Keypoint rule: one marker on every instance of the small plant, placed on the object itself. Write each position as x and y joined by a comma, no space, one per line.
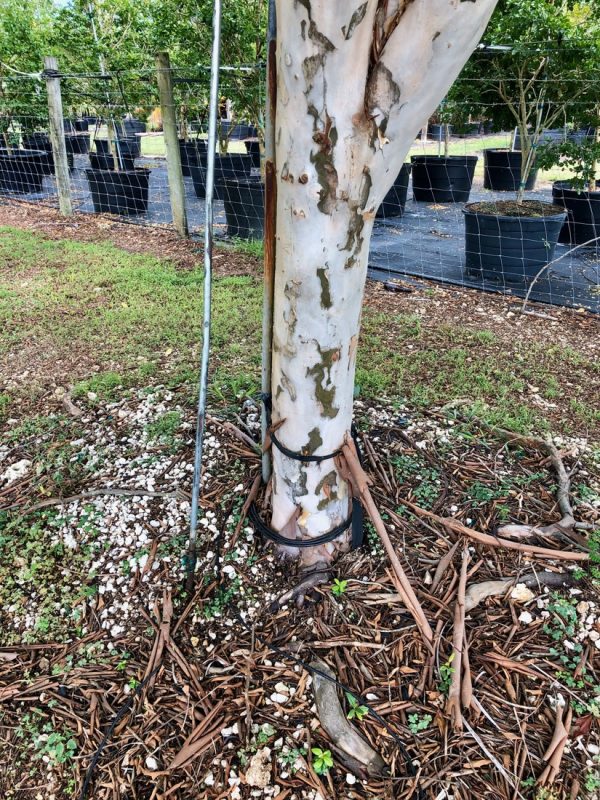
339,587
290,758
446,673
54,746
265,733
164,428
222,599
356,710
323,760
416,723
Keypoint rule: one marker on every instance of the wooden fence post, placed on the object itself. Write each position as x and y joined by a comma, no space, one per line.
174,173
57,136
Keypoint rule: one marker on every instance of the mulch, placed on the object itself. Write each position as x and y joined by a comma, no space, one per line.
222,693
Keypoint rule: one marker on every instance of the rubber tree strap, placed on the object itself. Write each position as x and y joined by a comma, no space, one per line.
354,520
300,456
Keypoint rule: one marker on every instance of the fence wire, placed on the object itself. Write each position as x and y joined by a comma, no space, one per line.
445,219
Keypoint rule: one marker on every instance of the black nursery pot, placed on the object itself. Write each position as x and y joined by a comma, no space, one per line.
132,126
253,150
583,214
244,200
441,179
232,165
22,170
130,147
41,141
77,143
502,171
509,249
107,161
193,153
123,192
395,200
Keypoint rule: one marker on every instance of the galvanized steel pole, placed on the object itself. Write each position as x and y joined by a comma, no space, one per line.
208,244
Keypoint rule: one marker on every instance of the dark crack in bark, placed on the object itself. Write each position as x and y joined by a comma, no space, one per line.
354,240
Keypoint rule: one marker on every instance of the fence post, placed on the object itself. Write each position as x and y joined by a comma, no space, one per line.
57,136
174,173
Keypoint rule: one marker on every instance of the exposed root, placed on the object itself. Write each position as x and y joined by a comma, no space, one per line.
494,541
338,728
299,592
477,592
352,471
453,706
566,525
554,753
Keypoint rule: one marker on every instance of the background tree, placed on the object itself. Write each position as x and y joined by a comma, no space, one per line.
25,26
355,85
541,64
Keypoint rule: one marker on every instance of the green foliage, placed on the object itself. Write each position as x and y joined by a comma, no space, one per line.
446,671
543,71
58,747
579,157
322,761
417,723
356,710
164,428
221,600
339,587
562,628
289,758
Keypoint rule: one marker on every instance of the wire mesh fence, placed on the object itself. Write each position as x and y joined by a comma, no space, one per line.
462,210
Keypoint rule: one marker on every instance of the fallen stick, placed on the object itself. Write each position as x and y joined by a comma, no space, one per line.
442,566
352,471
493,541
453,705
336,725
554,753
477,592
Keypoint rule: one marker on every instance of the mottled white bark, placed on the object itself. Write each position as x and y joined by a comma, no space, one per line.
356,82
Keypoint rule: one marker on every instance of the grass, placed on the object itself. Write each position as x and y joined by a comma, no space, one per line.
130,320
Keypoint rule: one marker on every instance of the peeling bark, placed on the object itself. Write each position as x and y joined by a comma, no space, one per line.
355,84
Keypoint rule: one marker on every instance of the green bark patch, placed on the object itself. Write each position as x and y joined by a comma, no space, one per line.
324,387
326,138
355,21
323,276
354,239
314,442
327,486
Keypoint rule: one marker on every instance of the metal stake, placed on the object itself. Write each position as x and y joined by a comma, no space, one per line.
208,244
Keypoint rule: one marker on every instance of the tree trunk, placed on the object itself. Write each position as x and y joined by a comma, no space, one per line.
354,87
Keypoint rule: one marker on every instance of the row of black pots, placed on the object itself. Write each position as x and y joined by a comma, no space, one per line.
449,179
193,153
41,142
435,180
22,171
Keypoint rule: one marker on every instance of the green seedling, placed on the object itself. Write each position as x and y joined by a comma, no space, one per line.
356,710
323,760
339,587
